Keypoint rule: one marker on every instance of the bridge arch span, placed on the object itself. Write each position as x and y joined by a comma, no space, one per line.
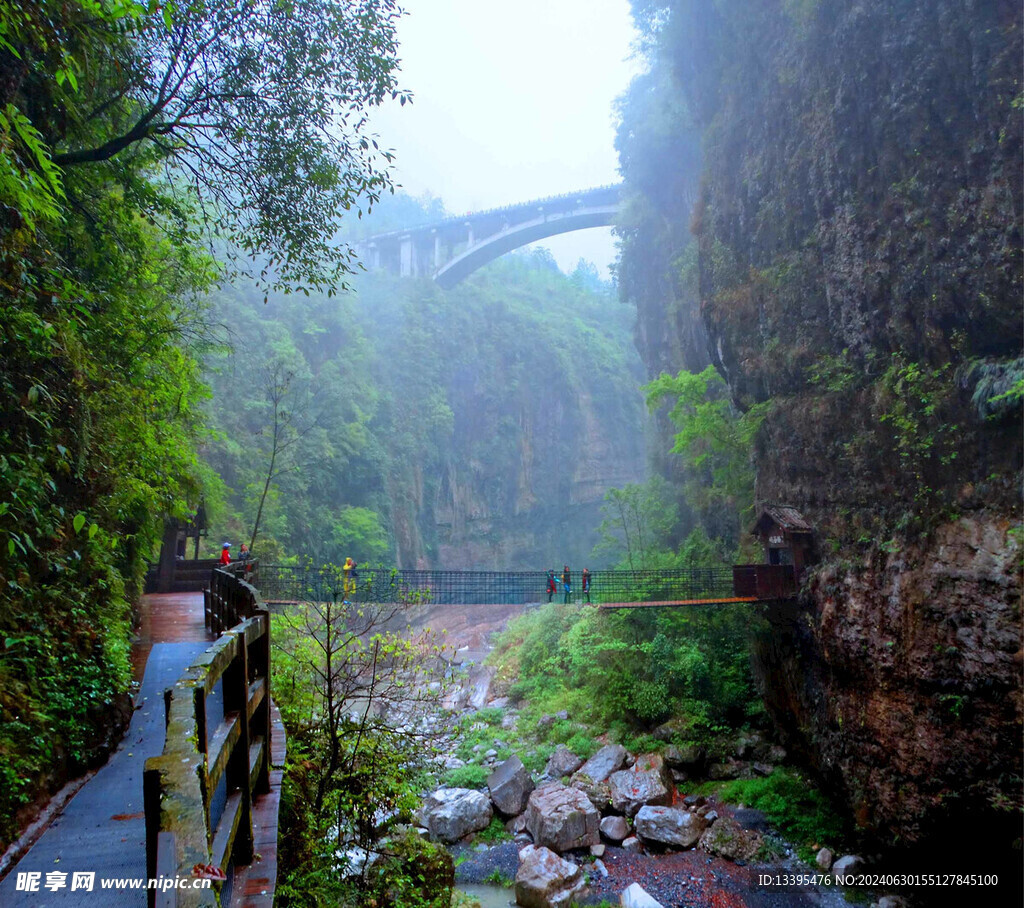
450,250
487,250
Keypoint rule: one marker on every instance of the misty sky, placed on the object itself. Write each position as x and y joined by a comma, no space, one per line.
513,101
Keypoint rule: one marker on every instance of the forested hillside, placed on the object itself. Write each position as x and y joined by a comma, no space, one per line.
856,264
147,153
473,428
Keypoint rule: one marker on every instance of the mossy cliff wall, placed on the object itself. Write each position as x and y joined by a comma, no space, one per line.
859,237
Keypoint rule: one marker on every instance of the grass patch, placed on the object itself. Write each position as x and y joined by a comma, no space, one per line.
499,879
494,833
792,804
471,776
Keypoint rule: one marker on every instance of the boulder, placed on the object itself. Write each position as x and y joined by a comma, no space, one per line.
544,880
562,818
634,788
614,829
848,864
674,728
824,859
669,826
517,824
635,896
510,786
599,793
762,769
729,840
563,762
633,845
610,758
597,851
689,756
452,813
730,770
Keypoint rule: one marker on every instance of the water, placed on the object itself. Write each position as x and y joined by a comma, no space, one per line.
489,895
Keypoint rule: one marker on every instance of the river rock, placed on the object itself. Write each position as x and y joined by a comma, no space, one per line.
669,826
729,840
517,824
634,788
562,818
510,786
824,859
614,829
635,896
544,880
599,793
451,813
563,762
848,864
731,769
633,845
610,758
690,756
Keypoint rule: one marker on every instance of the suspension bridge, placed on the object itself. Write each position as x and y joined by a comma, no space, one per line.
697,586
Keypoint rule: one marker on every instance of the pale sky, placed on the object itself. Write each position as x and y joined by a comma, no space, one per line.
512,101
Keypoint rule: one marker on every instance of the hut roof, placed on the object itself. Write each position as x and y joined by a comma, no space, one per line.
783,515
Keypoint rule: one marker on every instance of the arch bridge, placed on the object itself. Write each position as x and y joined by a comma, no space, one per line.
452,249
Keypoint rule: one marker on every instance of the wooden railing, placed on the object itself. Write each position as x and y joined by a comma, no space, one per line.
201,749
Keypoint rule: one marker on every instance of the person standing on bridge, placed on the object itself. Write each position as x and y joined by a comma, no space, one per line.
551,584
225,555
585,584
566,583
350,576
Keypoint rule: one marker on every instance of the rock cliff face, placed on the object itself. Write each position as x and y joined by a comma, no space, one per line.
901,681
859,233
536,494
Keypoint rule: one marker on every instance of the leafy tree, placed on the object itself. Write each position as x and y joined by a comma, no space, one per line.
637,524
715,443
259,108
353,695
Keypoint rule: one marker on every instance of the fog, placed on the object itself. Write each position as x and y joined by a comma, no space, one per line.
512,102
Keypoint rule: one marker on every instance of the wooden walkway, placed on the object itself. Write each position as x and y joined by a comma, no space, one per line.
102,829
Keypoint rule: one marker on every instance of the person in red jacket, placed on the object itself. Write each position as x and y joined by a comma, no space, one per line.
225,555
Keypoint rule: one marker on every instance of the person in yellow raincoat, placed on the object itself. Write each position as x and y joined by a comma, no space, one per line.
350,576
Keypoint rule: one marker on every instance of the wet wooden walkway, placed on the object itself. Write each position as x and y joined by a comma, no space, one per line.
102,829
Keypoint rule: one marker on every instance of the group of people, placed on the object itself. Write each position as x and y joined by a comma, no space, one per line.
225,553
566,581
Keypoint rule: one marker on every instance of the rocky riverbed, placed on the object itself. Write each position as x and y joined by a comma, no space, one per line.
618,826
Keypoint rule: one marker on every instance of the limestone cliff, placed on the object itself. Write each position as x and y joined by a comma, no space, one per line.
859,232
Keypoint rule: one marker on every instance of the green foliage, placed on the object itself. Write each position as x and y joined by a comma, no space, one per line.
792,804
337,673
998,389
470,776
643,666
495,833
835,373
638,520
714,442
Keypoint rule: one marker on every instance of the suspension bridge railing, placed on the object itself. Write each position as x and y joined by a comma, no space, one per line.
199,792
283,583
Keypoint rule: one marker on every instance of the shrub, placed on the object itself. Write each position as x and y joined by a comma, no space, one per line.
469,776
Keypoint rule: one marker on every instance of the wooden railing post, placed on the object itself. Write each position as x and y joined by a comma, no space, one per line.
261,724
236,700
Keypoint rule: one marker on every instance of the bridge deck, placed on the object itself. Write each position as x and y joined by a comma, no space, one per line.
675,602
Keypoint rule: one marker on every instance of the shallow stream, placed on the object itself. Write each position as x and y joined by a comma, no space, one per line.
488,895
